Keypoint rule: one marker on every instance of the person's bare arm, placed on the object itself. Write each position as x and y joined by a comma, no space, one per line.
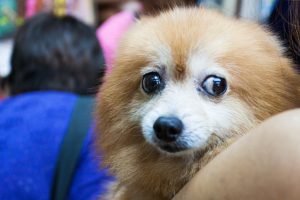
262,165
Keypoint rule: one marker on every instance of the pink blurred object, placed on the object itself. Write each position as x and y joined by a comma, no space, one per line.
30,8
110,33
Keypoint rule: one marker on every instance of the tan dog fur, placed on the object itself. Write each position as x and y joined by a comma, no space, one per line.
261,78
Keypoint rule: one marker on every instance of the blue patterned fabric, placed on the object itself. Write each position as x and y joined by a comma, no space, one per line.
32,127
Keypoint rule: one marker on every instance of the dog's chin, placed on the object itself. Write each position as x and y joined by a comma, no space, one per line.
177,148
174,150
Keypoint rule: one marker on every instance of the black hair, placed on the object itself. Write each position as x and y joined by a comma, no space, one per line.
285,21
55,53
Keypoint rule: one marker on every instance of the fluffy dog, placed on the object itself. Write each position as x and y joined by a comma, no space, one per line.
185,84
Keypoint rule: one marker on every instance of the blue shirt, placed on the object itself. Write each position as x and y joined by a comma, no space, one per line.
32,127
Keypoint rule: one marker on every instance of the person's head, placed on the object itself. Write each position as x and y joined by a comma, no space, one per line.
55,53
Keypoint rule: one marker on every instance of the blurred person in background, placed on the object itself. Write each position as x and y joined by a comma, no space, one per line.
55,60
55,53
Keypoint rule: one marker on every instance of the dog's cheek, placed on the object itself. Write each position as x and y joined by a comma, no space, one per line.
149,114
144,113
147,130
232,116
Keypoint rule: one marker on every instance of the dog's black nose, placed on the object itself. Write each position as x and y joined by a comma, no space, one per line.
168,128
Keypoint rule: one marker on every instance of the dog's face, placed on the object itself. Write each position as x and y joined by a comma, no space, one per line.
188,75
189,102
182,113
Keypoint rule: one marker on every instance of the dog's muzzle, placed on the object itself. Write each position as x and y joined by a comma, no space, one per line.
167,131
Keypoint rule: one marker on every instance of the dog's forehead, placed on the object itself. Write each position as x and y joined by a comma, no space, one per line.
183,49
183,60
186,41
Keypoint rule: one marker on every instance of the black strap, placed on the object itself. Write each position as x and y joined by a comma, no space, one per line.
71,148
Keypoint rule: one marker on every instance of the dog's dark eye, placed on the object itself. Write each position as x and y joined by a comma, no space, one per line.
152,83
214,86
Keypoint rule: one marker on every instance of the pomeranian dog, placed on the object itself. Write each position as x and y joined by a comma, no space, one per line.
184,85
